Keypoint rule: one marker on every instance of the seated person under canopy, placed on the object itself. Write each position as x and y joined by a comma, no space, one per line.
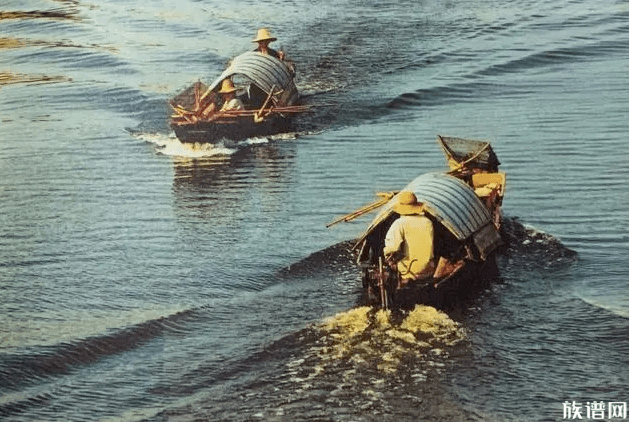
409,241
230,101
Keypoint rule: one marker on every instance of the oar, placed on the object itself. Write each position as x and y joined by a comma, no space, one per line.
257,117
182,112
285,109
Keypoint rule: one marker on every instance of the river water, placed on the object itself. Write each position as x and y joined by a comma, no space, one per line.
141,279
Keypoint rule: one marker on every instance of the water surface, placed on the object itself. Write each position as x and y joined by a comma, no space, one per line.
142,279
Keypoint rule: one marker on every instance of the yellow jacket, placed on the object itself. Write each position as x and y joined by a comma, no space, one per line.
412,237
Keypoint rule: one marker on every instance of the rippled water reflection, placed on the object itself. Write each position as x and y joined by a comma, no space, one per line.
142,279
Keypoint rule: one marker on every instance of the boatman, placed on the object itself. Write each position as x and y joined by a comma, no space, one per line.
264,38
230,101
409,242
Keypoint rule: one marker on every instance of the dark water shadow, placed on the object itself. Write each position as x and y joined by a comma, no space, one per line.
30,367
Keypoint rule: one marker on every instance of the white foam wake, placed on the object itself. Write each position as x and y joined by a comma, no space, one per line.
168,144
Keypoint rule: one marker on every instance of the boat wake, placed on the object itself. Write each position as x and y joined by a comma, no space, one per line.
333,260
168,144
365,337
609,303
535,249
356,361
353,361
27,365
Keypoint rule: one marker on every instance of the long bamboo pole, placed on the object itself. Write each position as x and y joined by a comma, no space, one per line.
232,114
257,117
285,109
384,198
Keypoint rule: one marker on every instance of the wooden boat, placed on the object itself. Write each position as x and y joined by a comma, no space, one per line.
264,84
464,205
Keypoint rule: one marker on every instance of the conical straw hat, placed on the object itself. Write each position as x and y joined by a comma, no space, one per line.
264,35
407,204
227,87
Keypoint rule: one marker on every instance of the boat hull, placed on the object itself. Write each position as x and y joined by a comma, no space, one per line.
459,288
235,131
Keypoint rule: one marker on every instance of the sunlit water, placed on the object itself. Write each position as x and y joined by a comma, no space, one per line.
145,279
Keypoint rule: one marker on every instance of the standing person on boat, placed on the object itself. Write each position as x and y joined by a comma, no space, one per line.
409,243
264,38
230,101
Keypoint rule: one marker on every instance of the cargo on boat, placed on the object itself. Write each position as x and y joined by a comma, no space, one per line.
265,88
454,234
